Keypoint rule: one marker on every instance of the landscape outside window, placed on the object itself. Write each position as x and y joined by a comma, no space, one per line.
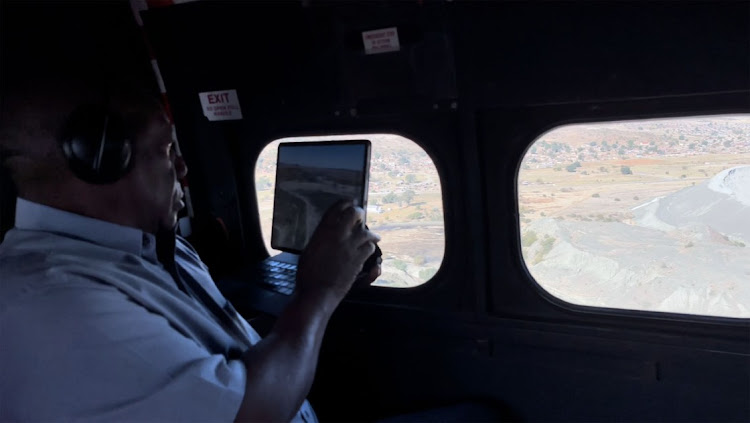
646,215
405,205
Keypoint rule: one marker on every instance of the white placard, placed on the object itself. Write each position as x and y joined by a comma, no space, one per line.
221,105
381,40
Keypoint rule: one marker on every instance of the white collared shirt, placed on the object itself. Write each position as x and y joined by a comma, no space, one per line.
92,327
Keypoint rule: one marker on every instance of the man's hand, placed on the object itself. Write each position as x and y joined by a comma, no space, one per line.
281,367
336,253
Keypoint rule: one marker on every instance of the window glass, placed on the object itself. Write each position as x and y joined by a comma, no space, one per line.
646,215
405,206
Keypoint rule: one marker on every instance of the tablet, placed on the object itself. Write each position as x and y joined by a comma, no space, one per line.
310,178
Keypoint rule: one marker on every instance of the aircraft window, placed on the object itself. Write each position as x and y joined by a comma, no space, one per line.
405,206
646,215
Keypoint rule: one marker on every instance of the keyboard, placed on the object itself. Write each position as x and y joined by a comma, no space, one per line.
277,276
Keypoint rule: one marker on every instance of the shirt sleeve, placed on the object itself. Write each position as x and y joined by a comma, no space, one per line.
84,351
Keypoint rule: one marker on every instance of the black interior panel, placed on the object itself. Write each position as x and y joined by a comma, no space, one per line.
474,84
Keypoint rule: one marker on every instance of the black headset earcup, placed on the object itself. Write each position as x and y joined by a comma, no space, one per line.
96,144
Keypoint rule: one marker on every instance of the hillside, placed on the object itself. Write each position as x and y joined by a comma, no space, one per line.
684,252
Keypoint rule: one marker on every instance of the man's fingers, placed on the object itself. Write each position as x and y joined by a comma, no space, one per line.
334,213
344,215
342,204
353,216
365,250
375,273
362,236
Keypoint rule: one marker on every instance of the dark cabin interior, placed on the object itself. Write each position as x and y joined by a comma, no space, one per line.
474,84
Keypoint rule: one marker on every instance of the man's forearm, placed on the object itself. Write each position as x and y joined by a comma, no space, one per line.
281,367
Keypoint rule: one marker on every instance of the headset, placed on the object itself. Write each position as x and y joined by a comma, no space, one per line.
96,144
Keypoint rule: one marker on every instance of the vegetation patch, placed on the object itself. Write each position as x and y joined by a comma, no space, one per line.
528,239
546,246
427,274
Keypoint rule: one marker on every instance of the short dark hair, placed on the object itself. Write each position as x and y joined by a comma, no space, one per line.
56,57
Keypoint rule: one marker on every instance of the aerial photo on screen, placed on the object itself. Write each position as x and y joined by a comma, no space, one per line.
310,180
648,215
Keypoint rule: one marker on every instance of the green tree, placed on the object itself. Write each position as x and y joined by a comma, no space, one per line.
625,170
400,265
573,166
408,196
390,198
415,216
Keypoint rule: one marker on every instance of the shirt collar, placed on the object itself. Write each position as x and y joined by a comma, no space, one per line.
38,217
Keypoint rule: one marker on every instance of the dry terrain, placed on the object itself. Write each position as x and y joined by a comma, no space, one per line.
651,215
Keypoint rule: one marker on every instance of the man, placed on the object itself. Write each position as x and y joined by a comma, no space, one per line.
104,313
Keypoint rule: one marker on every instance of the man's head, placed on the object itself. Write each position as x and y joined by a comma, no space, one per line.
54,62
152,184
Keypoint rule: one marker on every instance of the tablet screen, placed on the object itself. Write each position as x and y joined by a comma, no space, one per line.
310,178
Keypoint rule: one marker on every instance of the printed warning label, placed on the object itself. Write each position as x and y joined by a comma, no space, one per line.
381,40
221,105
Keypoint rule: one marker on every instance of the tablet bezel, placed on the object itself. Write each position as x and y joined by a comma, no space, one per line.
365,180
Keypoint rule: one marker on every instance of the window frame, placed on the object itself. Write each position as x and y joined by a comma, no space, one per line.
347,137
513,291
437,132
524,261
